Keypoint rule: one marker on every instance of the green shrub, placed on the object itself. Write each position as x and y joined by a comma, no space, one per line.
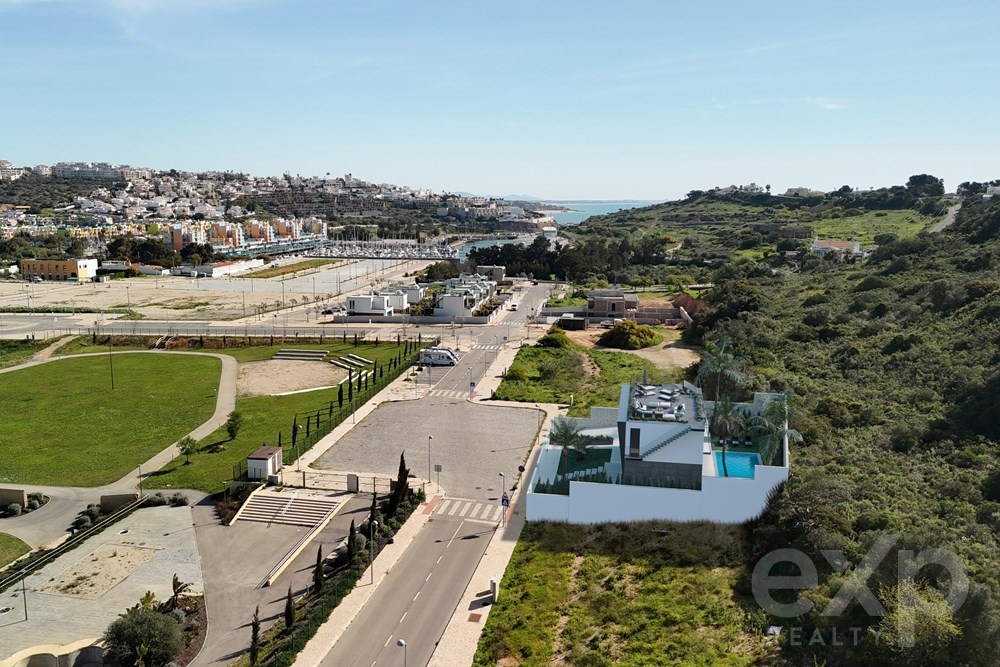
628,335
14,509
555,338
159,633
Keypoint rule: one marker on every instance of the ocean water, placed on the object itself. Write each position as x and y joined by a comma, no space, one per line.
584,209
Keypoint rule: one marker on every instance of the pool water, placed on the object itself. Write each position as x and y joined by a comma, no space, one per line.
739,464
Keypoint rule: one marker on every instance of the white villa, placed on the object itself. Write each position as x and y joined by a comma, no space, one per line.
662,465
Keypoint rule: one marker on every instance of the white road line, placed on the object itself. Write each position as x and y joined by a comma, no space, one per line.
465,508
496,513
444,506
453,537
374,661
416,596
475,511
429,575
454,509
386,643
403,616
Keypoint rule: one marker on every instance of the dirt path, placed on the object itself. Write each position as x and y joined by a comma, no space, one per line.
51,349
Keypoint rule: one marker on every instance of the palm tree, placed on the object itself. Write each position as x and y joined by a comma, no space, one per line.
727,421
566,434
771,427
719,360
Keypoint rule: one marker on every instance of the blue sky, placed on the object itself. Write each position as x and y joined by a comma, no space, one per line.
592,100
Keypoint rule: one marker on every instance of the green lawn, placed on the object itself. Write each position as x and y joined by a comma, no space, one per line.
11,549
64,425
594,458
636,594
263,417
14,352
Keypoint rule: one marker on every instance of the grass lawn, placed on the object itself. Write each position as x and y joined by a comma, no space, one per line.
84,345
263,417
592,377
11,549
594,458
64,425
637,594
285,269
14,352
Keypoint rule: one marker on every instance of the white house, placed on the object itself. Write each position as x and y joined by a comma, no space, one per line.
375,305
264,462
662,465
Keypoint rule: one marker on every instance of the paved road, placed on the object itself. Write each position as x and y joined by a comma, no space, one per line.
415,601
949,218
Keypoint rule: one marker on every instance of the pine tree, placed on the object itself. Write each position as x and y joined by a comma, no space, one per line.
289,610
255,637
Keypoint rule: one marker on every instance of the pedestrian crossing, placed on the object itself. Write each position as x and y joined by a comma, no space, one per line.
488,346
448,393
470,510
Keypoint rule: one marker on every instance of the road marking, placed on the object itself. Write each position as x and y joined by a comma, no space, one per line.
454,508
443,507
453,537
465,508
429,575
386,643
417,595
374,661
403,616
496,513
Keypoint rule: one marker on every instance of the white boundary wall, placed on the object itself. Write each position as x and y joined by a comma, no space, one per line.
721,499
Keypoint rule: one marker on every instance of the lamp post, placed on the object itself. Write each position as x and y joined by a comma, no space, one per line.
402,642
503,510
429,438
371,543
128,300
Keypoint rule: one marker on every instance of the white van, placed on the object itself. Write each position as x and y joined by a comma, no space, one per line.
513,306
437,356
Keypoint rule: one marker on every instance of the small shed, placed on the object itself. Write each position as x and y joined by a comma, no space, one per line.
264,462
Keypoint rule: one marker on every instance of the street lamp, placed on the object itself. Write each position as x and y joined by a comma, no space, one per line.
402,642
373,524
429,438
128,301
503,510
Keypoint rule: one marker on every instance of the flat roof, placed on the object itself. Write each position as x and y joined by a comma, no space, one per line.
264,453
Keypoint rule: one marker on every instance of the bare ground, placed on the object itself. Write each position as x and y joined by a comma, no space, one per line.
95,574
275,376
666,355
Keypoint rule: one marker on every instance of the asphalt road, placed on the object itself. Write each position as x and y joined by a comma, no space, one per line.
414,602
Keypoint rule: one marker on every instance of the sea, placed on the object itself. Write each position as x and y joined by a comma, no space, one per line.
583,209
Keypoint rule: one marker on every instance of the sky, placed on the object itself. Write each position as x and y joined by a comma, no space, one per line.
555,99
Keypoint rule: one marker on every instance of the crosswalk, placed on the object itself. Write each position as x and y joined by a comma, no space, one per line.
448,393
470,510
489,346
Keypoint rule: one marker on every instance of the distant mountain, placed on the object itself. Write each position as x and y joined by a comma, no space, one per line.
522,198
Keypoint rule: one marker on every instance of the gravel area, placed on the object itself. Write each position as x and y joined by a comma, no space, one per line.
276,376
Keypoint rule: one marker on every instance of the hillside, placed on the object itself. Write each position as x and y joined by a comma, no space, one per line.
892,364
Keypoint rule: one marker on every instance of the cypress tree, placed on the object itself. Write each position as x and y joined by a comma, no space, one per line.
352,543
340,395
318,572
289,609
255,637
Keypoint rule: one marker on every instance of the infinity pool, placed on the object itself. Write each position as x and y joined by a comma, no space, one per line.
739,464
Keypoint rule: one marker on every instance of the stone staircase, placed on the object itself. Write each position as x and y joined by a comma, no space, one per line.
288,508
300,355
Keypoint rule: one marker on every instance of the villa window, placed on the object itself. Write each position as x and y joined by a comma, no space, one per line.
633,442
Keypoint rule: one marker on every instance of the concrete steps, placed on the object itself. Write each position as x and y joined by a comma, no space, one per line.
288,508
300,355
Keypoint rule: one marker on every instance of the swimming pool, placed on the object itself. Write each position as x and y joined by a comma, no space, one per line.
739,464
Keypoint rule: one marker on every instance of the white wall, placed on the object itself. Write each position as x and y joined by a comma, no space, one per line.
721,499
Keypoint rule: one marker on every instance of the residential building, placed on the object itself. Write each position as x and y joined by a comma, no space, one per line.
611,303
662,464
72,270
